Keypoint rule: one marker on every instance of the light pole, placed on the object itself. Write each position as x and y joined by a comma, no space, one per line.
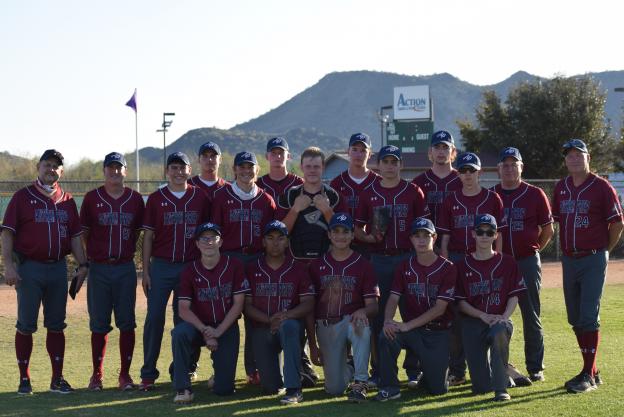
165,124
383,118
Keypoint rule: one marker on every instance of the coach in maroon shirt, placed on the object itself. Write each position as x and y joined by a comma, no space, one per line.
529,229
40,227
209,161
590,225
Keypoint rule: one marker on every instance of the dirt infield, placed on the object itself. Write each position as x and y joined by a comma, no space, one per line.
551,279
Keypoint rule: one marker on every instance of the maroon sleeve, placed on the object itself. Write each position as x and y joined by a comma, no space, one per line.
613,210
499,214
149,220
314,275
185,290
363,211
216,210
544,215
139,212
240,283
398,281
86,219
460,290
206,212
370,288
515,280
305,282
421,209
11,218
73,227
444,216
446,291
555,203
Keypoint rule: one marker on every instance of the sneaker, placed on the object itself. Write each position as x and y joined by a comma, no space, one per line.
373,382
95,383
24,387
357,394
211,382
126,383
597,379
454,380
518,379
573,380
309,378
537,376
584,383
253,379
147,384
502,396
292,396
183,396
414,380
385,395
60,386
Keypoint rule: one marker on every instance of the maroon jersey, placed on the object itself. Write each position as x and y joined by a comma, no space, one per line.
392,209
281,289
209,190
111,224
350,190
173,221
211,291
526,209
436,189
242,221
584,213
457,217
277,188
42,226
420,286
488,285
342,286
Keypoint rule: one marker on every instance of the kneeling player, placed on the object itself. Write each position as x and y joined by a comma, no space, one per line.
347,294
281,295
211,298
488,285
426,282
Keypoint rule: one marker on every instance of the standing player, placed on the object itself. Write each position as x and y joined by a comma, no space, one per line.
111,217
488,286
384,215
211,297
242,210
171,215
426,283
529,229
281,296
346,300
441,179
590,225
209,162
455,222
41,226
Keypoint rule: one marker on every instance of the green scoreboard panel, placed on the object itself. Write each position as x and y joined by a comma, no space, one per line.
409,135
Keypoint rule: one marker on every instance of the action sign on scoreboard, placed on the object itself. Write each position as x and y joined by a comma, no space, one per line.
412,102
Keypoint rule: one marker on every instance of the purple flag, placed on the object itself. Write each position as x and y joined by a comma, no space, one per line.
132,102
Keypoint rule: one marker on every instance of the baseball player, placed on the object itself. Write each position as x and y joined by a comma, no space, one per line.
455,221
171,215
441,179
111,217
211,297
383,218
488,286
40,227
426,283
346,300
529,229
281,296
590,225
209,161
242,210
356,178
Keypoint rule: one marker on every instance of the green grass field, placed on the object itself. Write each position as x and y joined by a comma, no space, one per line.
542,399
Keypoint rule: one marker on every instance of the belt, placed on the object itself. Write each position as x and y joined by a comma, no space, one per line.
43,261
330,321
582,253
111,261
391,252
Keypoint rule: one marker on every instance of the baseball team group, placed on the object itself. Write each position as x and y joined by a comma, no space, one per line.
316,271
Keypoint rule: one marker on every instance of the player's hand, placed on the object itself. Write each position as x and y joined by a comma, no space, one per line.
301,203
321,202
210,333
358,318
488,319
315,355
211,343
146,282
390,329
11,276
275,321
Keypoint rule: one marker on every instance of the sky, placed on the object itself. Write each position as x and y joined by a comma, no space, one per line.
68,67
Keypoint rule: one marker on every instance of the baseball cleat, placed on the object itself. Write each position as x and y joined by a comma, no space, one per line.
292,396
95,383
147,385
358,392
126,383
598,379
414,380
183,396
454,380
384,395
537,376
518,379
24,387
502,396
308,377
373,382
60,386
584,383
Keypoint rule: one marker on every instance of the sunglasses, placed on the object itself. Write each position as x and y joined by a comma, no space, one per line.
209,239
467,169
488,233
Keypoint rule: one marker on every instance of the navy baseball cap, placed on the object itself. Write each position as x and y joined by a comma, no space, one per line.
389,150
277,142
469,159
178,157
115,157
243,157
423,223
510,152
342,220
442,136
575,144
209,146
275,225
52,153
487,219
205,227
360,137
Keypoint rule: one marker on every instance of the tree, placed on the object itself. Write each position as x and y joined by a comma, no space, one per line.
538,117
